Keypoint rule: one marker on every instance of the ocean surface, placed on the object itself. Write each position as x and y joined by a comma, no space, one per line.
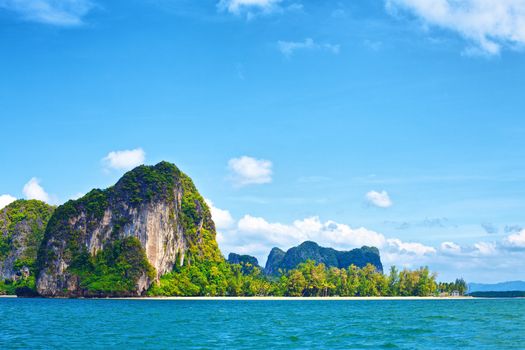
176,324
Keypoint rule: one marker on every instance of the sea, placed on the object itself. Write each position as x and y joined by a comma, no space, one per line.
263,324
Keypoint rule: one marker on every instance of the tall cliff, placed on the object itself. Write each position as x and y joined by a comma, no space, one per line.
116,242
279,260
22,226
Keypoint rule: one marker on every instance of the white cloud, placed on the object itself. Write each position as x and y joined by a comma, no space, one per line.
254,8
238,6
249,171
450,248
222,218
484,248
489,260
124,160
379,199
411,248
266,235
33,190
54,12
288,48
488,25
516,240
256,236
5,200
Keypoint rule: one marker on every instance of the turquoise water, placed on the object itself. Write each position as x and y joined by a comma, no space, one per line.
159,324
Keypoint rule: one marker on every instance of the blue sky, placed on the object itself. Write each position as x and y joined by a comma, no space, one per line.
394,123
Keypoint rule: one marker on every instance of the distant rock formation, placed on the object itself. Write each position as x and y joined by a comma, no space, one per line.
22,226
274,261
279,260
242,259
247,262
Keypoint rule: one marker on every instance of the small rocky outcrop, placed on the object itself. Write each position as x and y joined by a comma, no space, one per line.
279,260
247,262
116,242
22,226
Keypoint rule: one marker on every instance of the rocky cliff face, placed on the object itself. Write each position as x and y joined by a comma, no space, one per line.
22,226
274,261
116,242
330,257
247,262
242,259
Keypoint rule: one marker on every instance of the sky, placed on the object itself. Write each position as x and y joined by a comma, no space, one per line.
392,123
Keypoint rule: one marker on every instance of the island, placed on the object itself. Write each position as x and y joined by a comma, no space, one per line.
152,234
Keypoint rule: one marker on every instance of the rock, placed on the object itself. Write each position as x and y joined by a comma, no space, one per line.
274,262
247,262
116,242
22,226
360,257
26,292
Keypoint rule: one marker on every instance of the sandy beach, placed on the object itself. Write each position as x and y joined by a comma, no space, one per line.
296,298
272,298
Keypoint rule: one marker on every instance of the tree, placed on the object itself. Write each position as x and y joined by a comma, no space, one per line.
393,281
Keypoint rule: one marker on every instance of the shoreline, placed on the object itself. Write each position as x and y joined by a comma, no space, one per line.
292,298
203,298
268,298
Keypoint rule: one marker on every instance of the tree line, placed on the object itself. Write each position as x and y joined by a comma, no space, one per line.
309,279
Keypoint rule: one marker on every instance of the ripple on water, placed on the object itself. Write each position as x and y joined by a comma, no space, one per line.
124,324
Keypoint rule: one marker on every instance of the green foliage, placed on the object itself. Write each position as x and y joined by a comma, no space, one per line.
209,278
145,183
459,285
307,280
9,286
247,262
281,261
23,216
198,225
114,270
22,226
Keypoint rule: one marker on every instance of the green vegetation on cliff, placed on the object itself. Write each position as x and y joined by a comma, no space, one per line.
203,245
247,262
22,226
115,270
279,261
142,199
30,215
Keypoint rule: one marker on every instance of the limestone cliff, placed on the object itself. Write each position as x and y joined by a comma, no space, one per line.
360,257
22,226
274,261
116,242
